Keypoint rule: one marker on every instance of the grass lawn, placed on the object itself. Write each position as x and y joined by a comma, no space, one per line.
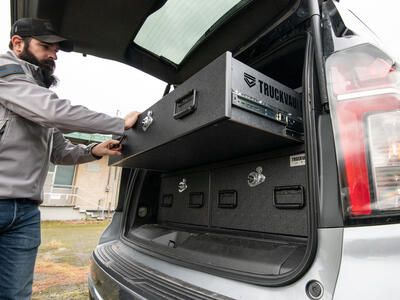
62,264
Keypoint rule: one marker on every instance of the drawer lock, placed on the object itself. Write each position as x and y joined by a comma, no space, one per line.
256,177
182,186
147,121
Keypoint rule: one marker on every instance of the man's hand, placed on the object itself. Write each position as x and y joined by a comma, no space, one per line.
105,148
130,119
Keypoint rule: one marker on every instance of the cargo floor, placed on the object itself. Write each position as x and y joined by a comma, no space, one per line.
227,252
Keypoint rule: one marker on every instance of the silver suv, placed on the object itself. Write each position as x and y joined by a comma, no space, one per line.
271,169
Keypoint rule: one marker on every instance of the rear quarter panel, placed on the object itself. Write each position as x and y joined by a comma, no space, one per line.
370,266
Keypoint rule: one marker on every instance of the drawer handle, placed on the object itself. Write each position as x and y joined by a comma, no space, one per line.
185,105
147,121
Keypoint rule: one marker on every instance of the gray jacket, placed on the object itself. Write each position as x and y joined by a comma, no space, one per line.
32,119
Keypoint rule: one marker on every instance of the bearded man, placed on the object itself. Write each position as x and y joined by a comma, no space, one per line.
32,119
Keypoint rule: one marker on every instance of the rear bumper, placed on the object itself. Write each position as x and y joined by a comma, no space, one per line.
119,271
102,285
93,293
116,275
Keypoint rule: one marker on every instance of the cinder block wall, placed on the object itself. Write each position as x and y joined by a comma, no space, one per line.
59,213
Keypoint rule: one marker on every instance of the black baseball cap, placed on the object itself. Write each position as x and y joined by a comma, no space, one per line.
41,30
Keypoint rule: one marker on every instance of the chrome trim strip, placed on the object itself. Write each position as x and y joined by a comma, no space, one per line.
368,93
93,291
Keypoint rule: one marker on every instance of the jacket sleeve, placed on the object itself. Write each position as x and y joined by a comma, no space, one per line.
42,106
66,153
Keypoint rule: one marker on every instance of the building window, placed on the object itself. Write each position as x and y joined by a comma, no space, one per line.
63,175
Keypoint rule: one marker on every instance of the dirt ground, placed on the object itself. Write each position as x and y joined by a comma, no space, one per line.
62,264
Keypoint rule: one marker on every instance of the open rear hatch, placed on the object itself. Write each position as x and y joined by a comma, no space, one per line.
223,186
215,176
128,31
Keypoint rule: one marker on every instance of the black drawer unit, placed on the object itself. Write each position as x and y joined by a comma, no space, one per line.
185,199
261,196
226,110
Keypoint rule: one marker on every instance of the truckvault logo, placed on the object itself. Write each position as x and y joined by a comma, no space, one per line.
269,90
250,80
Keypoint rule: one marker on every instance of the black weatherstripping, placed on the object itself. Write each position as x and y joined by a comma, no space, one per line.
312,174
331,214
318,50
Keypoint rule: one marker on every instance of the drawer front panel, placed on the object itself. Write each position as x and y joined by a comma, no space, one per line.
275,205
174,117
184,199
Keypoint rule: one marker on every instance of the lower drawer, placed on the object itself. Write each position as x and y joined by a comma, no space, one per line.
264,196
185,199
276,204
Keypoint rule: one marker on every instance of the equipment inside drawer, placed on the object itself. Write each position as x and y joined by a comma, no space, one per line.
260,94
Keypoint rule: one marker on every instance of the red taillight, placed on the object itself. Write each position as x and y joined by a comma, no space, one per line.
363,83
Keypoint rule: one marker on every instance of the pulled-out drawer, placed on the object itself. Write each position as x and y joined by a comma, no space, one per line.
224,111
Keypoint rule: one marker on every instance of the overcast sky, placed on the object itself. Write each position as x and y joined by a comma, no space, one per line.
109,86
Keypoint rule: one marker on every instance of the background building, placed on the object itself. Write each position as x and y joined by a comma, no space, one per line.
81,191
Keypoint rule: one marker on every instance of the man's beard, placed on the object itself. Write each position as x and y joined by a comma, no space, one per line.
46,67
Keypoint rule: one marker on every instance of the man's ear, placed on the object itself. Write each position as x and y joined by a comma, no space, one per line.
18,44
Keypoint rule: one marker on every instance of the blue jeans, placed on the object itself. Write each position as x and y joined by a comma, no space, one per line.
19,242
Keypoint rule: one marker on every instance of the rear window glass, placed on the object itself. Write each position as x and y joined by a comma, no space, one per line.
172,31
